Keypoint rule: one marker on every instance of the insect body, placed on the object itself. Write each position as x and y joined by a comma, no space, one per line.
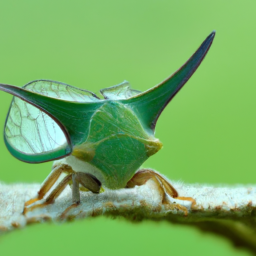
100,142
116,141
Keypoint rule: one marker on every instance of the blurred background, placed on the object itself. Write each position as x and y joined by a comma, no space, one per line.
208,130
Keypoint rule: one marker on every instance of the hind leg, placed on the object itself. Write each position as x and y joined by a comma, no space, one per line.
49,182
53,195
75,178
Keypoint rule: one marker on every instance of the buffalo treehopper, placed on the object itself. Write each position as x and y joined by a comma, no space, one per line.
96,142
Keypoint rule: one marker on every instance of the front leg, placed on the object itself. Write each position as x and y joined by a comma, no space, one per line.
165,188
88,181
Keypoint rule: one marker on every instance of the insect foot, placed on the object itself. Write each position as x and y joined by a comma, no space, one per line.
166,190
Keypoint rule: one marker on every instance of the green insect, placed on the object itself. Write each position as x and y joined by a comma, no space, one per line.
99,142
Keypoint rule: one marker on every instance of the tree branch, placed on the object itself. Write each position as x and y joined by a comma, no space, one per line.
227,211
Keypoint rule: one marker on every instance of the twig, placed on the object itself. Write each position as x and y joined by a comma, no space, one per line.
227,211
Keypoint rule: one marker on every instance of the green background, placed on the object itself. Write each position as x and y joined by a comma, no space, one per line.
208,130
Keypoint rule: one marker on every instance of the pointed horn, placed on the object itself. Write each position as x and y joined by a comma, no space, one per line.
72,117
150,104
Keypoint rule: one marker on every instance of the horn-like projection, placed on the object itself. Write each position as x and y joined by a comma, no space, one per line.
72,117
149,104
58,116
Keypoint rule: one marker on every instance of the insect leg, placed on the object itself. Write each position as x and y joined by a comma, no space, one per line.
48,183
57,191
53,195
86,180
75,190
143,175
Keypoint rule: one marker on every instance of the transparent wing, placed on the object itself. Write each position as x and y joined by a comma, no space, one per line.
33,136
60,90
119,92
